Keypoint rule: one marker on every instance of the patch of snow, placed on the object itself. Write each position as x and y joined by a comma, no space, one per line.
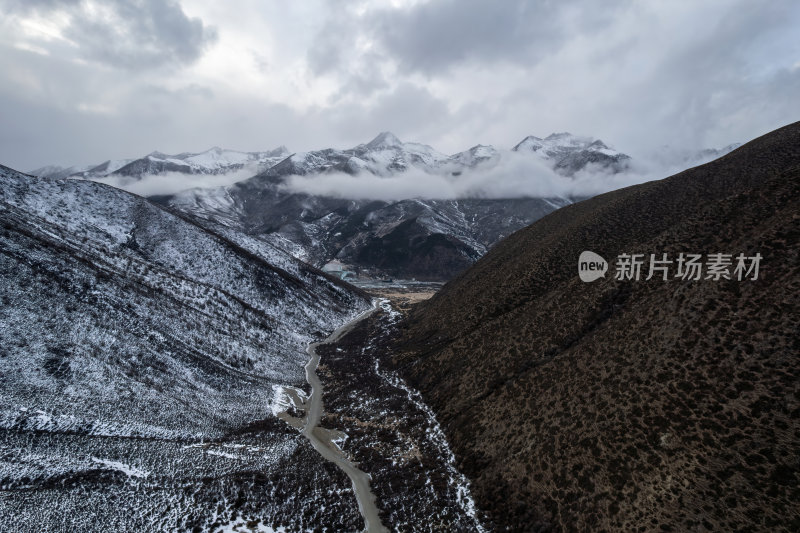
122,467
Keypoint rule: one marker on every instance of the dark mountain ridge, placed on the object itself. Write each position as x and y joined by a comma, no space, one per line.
625,405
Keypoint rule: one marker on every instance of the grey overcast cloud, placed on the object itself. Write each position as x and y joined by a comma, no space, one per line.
84,81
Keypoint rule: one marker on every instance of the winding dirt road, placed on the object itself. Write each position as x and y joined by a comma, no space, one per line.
322,439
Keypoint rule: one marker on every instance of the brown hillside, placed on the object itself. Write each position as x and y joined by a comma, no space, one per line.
630,405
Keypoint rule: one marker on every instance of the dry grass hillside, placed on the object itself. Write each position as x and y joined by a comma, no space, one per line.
630,405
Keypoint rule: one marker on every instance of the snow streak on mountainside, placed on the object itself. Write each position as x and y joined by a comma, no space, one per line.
139,354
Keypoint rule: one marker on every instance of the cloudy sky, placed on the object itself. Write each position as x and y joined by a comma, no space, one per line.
84,81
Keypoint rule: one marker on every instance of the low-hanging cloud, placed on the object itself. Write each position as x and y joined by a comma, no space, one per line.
515,176
175,182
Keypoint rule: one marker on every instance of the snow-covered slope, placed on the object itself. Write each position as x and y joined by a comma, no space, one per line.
130,336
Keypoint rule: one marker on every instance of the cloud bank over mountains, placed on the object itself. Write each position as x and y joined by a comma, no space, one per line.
173,182
514,176
387,169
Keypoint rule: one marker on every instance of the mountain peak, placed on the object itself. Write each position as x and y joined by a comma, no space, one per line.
599,145
385,139
531,142
557,136
280,150
480,147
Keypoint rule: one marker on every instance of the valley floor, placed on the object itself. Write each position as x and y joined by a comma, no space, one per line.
391,433
266,476
402,294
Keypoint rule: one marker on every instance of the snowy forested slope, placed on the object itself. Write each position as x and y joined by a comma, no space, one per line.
138,350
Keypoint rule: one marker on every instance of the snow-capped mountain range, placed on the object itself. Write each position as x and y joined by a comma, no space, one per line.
384,155
427,239
387,155
417,237
213,161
